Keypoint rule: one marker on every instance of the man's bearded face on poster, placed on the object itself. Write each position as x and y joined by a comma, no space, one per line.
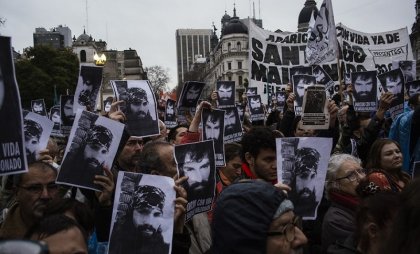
148,202
363,85
97,147
138,103
394,84
306,165
38,108
225,93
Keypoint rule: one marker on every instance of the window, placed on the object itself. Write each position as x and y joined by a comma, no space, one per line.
240,80
229,66
230,78
229,46
239,65
83,56
238,46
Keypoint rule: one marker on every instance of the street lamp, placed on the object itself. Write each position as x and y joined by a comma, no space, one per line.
99,60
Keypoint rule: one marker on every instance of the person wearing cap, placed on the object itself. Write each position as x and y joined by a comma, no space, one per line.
33,131
140,231
305,172
254,216
140,122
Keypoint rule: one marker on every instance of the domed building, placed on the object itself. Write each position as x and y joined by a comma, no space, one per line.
305,15
85,47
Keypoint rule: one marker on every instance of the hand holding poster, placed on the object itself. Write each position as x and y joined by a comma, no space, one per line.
143,214
12,150
302,164
196,160
93,144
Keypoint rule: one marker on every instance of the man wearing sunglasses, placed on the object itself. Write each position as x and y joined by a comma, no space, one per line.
34,190
343,176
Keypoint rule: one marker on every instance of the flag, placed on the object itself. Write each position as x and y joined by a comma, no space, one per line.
322,44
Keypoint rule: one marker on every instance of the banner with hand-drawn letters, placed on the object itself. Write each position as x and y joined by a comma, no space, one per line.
272,55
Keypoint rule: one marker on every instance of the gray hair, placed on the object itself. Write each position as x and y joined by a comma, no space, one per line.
334,165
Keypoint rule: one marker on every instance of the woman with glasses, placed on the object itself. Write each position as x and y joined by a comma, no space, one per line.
343,176
255,217
385,173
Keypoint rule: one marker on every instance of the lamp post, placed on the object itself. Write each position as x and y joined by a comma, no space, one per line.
100,61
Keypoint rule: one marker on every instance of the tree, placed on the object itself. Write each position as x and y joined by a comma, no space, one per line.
44,69
158,77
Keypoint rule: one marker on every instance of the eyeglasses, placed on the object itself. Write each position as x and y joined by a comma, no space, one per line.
39,188
354,175
289,229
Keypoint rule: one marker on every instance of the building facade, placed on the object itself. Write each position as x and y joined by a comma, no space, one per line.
58,37
190,44
415,38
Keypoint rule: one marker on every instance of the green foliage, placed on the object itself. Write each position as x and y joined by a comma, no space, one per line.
44,68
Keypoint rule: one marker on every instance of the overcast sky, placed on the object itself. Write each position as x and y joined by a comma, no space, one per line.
149,26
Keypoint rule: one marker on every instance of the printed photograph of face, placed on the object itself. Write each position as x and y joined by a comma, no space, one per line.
33,132
408,70
230,121
413,87
143,223
191,94
364,85
38,106
197,161
255,104
212,126
251,91
320,76
300,82
89,82
394,83
67,114
225,91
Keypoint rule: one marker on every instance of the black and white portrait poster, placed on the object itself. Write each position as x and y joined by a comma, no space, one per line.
233,126
67,113
38,106
140,107
12,149
408,68
300,83
225,94
280,100
315,108
37,129
213,129
256,107
190,94
322,78
88,85
364,91
196,160
241,111
170,113
143,214
55,117
302,164
413,87
93,144
393,81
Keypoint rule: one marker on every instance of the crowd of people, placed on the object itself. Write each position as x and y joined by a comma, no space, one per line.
371,201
